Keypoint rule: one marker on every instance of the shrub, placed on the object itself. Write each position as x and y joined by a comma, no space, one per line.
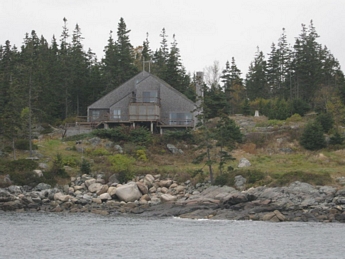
141,155
58,169
122,164
294,118
179,135
24,144
100,152
312,137
140,136
85,167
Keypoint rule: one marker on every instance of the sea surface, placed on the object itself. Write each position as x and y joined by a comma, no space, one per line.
63,236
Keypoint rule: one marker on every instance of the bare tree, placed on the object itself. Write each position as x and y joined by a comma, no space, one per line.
212,74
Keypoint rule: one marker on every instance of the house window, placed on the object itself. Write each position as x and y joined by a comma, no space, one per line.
180,118
95,115
150,96
117,114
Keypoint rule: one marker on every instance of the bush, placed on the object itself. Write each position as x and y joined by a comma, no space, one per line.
312,137
24,144
140,136
179,135
85,167
122,165
58,169
141,155
294,118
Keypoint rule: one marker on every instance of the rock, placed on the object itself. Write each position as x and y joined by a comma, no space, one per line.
41,187
128,192
5,196
234,198
11,205
89,182
112,191
95,187
61,197
103,189
164,190
118,148
149,180
39,173
142,188
280,216
244,162
240,182
271,216
95,141
14,189
168,198
174,149
113,179
105,196
165,183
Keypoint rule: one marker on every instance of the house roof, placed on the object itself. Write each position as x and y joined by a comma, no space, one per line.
126,89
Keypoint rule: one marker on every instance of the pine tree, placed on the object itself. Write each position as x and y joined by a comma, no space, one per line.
256,81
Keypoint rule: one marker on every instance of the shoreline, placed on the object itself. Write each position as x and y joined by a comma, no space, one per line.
150,196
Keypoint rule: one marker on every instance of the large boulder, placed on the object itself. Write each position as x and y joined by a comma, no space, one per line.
128,192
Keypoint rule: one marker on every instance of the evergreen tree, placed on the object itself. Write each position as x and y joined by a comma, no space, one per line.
256,81
312,137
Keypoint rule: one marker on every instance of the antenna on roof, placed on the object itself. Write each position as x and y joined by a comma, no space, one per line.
149,61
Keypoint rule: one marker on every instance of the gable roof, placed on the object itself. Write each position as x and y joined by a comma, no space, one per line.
126,88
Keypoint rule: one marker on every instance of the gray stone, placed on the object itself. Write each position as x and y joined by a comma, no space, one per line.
14,189
105,196
118,148
174,149
95,141
240,181
5,196
113,179
43,166
95,187
244,162
128,192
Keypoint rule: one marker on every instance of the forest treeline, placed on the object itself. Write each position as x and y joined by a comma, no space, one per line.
53,81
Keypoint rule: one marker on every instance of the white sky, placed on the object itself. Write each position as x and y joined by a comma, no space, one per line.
206,31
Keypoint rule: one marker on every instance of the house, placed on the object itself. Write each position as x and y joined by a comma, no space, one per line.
144,100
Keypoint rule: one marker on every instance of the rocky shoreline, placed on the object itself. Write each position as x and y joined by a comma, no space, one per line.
152,196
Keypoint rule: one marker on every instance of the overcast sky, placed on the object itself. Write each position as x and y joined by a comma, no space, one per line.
206,31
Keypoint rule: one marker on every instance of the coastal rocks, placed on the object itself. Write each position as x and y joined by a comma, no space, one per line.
128,192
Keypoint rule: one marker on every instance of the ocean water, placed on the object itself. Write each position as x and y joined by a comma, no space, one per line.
63,236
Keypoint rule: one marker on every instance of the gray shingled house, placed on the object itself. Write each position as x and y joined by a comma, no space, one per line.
144,100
